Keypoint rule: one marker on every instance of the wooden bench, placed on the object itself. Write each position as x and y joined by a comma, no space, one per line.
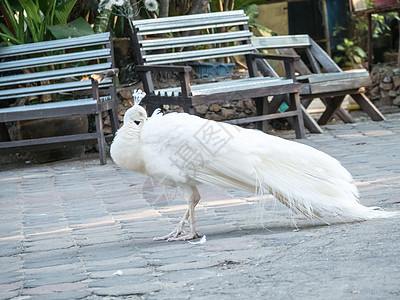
170,44
326,80
62,70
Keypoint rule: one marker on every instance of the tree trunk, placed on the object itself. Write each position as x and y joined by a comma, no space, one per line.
198,7
164,8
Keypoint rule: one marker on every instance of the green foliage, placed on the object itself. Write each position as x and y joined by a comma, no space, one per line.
252,12
353,54
76,28
351,49
37,16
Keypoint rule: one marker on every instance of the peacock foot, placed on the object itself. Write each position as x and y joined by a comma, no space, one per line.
186,237
178,235
174,234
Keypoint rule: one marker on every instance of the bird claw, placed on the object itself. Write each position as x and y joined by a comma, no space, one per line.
178,235
174,234
187,237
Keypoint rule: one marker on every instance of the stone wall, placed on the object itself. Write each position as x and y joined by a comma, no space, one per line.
217,111
385,88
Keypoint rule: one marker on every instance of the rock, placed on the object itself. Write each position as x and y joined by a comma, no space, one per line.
396,101
215,107
107,130
386,86
213,116
240,104
396,82
127,103
387,100
387,79
229,104
374,91
125,93
392,93
384,93
201,109
107,121
228,113
248,103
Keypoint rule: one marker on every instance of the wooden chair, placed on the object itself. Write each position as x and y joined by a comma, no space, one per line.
326,81
170,44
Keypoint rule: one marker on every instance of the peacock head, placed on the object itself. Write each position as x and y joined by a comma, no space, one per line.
136,114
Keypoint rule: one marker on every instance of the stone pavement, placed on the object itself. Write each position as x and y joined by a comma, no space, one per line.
79,230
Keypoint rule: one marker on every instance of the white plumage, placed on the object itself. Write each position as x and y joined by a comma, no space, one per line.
186,150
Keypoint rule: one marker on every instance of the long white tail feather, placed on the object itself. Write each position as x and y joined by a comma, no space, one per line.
304,179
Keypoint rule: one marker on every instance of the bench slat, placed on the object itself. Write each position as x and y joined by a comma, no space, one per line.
198,54
353,74
54,59
51,88
49,140
230,85
195,40
31,48
185,25
338,85
144,22
55,74
284,41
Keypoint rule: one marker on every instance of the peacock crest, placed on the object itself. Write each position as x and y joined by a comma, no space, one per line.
138,95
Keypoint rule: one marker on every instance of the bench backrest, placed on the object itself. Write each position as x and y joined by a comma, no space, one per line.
37,68
182,39
318,58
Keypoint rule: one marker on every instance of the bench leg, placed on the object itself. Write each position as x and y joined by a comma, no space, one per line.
100,138
332,105
4,136
310,123
262,108
368,107
114,120
295,104
340,112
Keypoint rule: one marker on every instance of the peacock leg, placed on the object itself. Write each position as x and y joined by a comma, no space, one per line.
178,234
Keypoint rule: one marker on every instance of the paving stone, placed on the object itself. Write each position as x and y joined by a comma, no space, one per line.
129,290
55,288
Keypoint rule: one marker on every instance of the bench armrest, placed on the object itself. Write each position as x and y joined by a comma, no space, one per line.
163,68
284,57
287,59
101,75
183,74
97,78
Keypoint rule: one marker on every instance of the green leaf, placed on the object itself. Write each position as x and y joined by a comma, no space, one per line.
357,59
348,43
252,12
62,11
32,10
360,51
8,37
341,47
76,28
